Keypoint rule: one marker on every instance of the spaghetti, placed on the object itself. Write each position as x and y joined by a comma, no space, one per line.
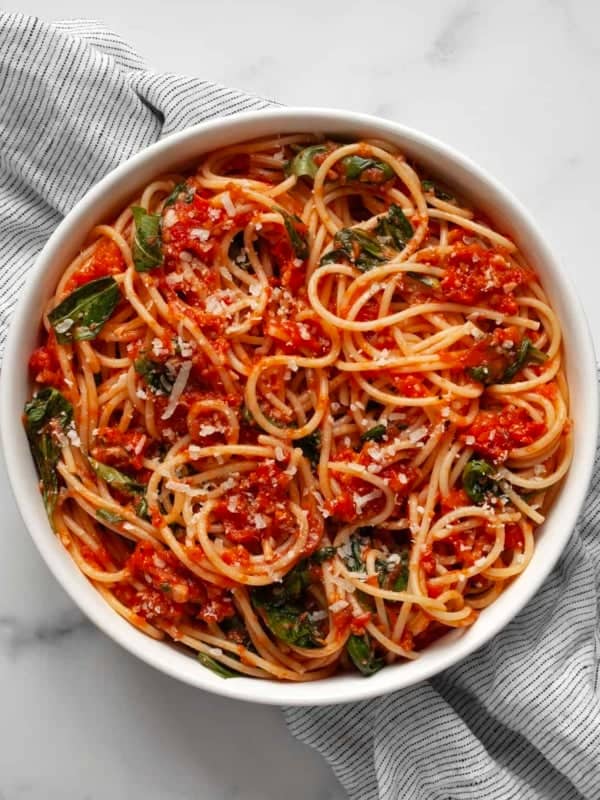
299,410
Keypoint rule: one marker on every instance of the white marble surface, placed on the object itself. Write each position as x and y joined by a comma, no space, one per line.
513,84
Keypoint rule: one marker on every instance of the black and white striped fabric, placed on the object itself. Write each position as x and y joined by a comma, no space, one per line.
76,101
520,719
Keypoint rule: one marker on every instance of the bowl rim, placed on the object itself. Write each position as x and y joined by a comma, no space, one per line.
339,688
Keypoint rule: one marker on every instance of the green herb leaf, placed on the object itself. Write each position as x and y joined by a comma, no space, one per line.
432,187
323,554
45,416
297,239
292,625
337,256
427,280
395,229
361,248
481,374
141,508
361,652
381,569
375,434
116,479
158,376
81,315
303,164
282,608
526,354
311,447
147,244
477,480
401,581
180,189
353,560
220,669
354,168
108,516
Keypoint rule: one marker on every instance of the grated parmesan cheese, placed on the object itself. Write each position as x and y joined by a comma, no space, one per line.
140,446
417,434
339,605
228,204
177,390
469,440
64,325
170,218
73,437
202,234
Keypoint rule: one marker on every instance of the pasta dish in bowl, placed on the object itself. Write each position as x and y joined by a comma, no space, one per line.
299,406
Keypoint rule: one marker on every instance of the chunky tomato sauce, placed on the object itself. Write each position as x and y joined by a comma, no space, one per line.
171,591
107,259
494,433
44,365
479,276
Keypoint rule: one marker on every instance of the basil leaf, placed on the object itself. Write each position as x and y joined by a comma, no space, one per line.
374,434
363,657
147,244
350,238
141,508
303,164
108,516
481,374
44,416
157,375
220,669
311,447
526,353
427,280
323,554
477,480
381,570
282,611
297,239
290,590
81,315
401,581
353,560
291,624
116,478
395,228
432,187
362,249
180,188
337,256
354,168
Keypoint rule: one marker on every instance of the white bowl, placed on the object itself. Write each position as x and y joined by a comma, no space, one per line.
107,198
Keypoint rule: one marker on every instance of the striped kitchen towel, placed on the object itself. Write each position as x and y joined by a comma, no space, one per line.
520,719
76,101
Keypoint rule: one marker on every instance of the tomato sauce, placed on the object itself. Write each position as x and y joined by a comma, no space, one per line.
478,276
120,449
257,507
497,432
44,364
171,591
106,259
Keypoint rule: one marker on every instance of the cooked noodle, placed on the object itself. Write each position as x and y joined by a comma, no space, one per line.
296,448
